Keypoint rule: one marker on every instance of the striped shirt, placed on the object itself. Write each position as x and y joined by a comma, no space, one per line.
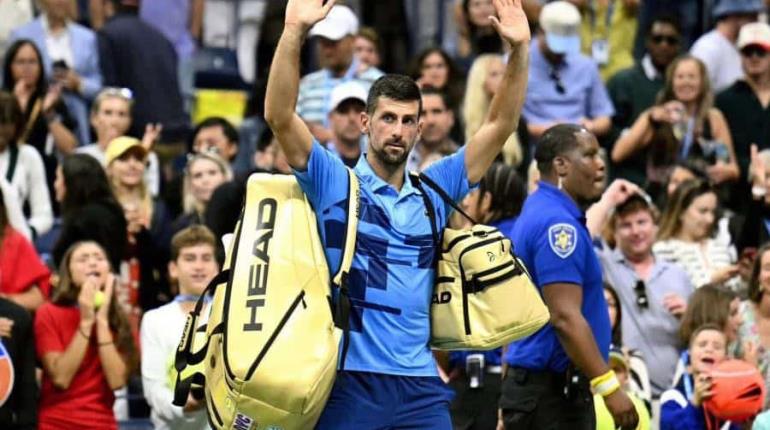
315,89
699,260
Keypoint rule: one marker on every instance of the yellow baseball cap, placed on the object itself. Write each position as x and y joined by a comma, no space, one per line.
120,145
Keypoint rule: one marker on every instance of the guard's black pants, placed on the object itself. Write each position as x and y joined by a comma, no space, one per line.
537,400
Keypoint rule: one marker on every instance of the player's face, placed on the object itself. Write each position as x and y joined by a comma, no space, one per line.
393,130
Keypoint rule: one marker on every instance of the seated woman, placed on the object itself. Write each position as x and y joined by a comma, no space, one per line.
84,344
22,172
685,237
47,124
24,279
683,125
203,174
682,406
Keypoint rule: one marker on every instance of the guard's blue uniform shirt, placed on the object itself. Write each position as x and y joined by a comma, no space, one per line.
551,238
391,279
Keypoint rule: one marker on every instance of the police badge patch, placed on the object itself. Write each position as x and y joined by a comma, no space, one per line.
563,239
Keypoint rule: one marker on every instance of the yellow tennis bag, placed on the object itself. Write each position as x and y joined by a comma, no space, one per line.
267,358
483,297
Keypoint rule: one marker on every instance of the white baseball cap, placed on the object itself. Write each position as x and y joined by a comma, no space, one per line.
340,22
755,33
560,20
345,91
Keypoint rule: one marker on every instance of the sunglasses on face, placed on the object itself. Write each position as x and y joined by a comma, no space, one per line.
754,51
659,39
641,295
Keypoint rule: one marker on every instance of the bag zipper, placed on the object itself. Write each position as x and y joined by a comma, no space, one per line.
299,299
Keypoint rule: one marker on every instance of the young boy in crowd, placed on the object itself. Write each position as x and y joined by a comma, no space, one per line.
682,406
192,266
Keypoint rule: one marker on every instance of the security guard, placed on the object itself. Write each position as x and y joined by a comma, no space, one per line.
551,373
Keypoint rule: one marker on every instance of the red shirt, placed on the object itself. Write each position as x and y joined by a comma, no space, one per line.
87,403
17,252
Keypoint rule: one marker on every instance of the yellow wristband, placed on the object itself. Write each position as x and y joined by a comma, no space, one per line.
608,387
603,378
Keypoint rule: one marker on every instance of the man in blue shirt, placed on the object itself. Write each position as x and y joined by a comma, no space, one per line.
564,84
387,377
547,383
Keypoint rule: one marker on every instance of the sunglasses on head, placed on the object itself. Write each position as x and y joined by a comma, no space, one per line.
118,92
660,38
641,294
754,51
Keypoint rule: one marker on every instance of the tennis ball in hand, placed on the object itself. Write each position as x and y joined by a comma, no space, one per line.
98,299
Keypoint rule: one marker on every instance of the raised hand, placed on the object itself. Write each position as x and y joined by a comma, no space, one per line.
305,13
103,312
151,134
511,21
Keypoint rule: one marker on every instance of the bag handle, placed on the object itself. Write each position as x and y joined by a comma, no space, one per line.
340,280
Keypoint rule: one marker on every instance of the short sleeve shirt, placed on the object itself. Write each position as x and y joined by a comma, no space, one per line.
552,240
391,279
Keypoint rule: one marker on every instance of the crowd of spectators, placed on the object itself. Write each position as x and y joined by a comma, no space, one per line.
111,181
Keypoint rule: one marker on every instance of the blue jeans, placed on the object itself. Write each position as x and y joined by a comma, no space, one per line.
369,401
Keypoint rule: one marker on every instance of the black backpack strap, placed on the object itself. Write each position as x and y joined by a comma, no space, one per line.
430,211
13,158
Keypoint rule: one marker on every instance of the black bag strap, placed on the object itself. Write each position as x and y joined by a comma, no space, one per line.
430,211
444,196
13,158
183,356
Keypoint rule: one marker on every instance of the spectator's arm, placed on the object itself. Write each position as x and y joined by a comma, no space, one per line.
505,108
600,108
63,138
598,214
155,371
537,130
91,81
637,137
729,171
599,126
30,299
41,214
196,19
113,363
61,366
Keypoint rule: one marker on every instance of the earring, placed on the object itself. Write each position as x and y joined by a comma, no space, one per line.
560,185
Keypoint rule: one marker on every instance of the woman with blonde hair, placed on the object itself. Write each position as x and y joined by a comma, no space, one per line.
483,81
84,343
683,125
143,284
686,237
202,175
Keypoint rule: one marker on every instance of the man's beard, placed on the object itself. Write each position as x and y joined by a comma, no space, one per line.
390,160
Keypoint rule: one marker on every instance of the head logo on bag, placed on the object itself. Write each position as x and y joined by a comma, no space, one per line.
259,269
442,298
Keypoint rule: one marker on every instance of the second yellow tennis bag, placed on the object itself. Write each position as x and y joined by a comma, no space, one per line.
268,356
483,297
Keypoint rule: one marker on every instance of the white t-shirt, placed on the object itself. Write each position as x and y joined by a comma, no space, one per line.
30,186
160,333
151,173
721,57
